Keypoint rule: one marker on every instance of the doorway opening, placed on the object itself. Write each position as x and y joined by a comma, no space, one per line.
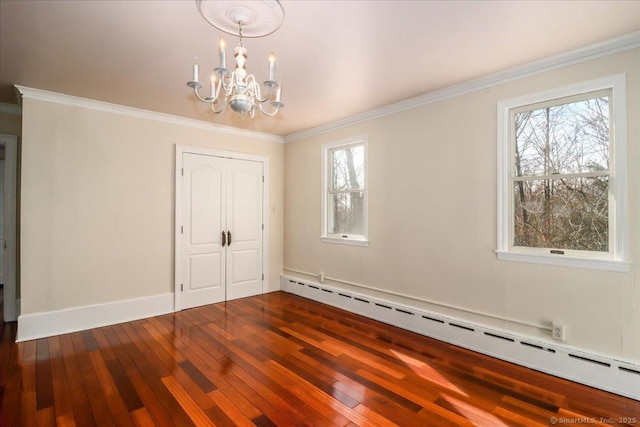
8,226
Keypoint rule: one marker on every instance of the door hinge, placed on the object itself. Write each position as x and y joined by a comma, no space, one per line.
262,227
181,287
181,229
262,276
262,178
182,171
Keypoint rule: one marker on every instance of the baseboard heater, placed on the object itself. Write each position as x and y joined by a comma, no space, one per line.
595,370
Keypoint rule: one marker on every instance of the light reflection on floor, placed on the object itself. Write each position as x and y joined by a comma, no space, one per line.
425,371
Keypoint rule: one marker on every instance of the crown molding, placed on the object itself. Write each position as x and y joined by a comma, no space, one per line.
598,50
10,109
74,101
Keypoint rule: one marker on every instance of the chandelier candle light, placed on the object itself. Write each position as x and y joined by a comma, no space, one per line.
238,88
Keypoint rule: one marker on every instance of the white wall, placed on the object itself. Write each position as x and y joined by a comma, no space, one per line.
432,219
98,204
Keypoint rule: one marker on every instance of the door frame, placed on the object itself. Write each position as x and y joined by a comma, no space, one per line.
179,151
11,306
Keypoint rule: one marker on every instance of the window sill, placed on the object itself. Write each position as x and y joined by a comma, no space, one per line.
344,241
565,261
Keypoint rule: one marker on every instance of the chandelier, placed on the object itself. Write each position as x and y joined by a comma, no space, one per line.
238,88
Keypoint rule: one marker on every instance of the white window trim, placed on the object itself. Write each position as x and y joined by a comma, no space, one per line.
618,260
353,240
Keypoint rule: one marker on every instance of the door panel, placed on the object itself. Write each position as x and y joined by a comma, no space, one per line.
244,220
204,271
204,189
245,214
205,197
244,265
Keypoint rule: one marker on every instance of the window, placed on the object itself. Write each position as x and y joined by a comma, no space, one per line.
562,179
344,201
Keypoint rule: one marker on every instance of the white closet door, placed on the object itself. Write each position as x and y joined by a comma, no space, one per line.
203,259
244,222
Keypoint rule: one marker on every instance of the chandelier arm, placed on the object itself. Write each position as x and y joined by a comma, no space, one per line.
205,100
267,113
230,83
224,105
216,94
257,90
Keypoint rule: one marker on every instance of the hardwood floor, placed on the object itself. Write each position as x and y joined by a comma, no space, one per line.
278,359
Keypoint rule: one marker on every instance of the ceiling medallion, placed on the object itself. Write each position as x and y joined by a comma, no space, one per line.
238,88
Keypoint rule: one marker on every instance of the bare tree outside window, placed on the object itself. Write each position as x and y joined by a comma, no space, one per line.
346,190
561,174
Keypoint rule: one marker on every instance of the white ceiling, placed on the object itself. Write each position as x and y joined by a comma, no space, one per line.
335,58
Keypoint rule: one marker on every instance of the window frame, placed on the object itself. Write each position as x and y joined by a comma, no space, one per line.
616,258
350,239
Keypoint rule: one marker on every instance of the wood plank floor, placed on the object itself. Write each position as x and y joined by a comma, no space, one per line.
278,359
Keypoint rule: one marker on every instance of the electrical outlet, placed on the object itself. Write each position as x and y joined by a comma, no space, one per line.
558,331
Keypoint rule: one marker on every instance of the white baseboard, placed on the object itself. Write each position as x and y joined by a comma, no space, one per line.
50,323
597,370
